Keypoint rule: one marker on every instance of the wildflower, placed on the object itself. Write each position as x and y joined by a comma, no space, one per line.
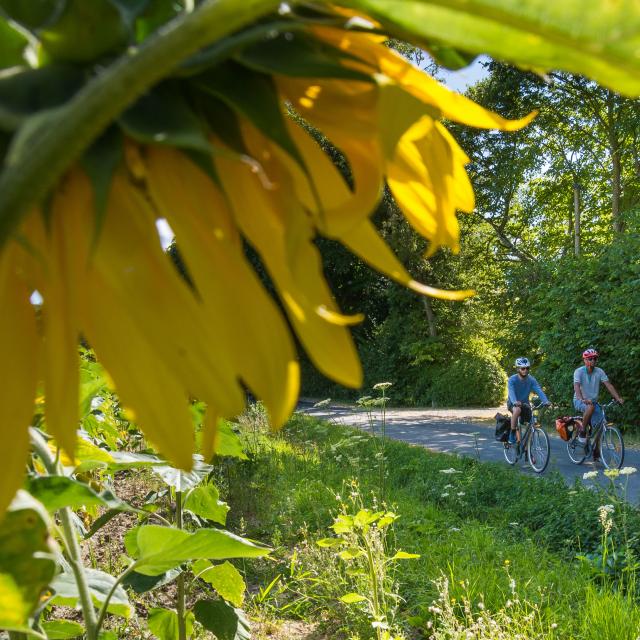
172,339
448,486
460,493
455,529
449,471
382,386
513,524
627,471
589,475
444,495
611,473
481,606
606,508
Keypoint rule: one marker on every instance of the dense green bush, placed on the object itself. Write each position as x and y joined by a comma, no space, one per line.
591,301
470,379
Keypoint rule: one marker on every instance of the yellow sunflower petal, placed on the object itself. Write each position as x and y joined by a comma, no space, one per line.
19,345
151,391
451,105
149,289
260,214
424,179
63,262
236,304
346,112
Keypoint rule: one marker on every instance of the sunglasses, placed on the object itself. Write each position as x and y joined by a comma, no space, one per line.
590,359
524,368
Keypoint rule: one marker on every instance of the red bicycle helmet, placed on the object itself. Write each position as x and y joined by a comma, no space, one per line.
590,353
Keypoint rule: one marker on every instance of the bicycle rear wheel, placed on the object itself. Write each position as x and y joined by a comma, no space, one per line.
538,450
511,453
611,448
575,450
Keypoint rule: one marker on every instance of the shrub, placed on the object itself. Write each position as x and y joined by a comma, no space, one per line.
470,379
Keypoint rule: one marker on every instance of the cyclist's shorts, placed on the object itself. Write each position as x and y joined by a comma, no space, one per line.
597,413
525,413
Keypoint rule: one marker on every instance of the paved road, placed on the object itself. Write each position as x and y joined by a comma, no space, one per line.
470,432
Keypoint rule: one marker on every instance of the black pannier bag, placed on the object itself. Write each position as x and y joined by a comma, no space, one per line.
503,426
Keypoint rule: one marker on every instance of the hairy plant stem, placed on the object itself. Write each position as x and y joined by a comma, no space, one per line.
62,137
374,584
70,539
180,599
107,600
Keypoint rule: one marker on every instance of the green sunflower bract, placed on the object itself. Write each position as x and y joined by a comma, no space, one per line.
165,341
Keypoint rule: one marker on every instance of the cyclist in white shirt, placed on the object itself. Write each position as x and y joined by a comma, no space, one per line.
586,386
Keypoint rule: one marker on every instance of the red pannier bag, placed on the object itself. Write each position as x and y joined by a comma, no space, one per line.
566,426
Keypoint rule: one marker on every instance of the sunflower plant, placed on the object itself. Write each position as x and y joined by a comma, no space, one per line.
115,114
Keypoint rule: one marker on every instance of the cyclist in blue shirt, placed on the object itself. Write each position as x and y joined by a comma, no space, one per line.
586,387
521,385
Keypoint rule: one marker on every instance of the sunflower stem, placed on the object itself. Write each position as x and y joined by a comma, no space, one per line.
181,599
62,135
70,538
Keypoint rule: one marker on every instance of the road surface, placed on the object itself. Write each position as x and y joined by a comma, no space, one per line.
470,432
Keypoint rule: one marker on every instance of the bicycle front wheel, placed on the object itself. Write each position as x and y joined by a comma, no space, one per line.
612,448
538,450
511,453
575,450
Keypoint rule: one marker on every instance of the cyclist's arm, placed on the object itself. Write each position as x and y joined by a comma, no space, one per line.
541,394
511,391
612,391
578,389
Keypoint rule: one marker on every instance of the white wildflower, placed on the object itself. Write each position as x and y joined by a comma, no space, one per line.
627,471
381,386
448,486
449,471
607,508
444,495
454,529
589,475
460,493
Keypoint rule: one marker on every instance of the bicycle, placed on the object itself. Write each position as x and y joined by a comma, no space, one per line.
610,438
534,442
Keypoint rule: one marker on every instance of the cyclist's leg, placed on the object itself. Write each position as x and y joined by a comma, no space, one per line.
587,412
515,415
596,419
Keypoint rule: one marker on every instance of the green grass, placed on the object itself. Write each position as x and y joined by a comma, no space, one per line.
485,528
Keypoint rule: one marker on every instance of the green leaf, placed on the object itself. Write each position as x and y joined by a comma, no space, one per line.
403,555
56,492
163,623
253,95
62,629
224,578
100,162
204,501
26,560
141,583
155,15
352,598
12,45
298,55
228,443
184,480
100,584
32,14
351,553
84,31
159,549
330,542
127,460
163,116
225,622
24,92
589,37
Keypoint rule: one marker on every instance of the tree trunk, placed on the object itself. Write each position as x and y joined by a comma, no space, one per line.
576,218
431,318
614,150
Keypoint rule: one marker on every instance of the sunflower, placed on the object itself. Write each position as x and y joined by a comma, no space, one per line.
234,158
